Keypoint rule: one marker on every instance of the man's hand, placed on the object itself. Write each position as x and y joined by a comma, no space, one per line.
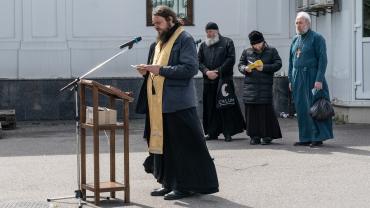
248,69
212,75
141,70
290,86
318,85
150,68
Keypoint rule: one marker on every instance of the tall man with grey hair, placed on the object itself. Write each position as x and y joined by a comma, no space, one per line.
307,66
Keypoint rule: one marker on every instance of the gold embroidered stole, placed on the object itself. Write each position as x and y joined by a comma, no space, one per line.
155,94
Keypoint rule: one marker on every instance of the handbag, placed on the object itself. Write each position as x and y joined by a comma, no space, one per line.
322,109
225,97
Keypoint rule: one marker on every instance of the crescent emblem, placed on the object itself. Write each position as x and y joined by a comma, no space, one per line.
223,90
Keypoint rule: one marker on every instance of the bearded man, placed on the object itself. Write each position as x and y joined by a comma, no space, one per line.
216,61
307,66
179,158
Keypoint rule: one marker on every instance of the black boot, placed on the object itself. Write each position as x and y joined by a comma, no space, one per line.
211,137
302,143
316,144
228,138
255,141
266,141
175,195
160,192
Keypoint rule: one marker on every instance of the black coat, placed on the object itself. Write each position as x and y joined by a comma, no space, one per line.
258,85
219,56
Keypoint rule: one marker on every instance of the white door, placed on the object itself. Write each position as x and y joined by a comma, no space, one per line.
363,49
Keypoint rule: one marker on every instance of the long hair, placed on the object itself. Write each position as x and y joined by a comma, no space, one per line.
165,12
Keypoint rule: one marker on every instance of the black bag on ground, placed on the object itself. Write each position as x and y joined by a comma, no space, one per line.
322,110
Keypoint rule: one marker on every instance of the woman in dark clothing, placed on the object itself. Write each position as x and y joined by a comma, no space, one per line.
258,64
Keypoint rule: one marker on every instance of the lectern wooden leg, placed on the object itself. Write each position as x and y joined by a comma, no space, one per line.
112,149
96,145
83,162
96,169
83,139
113,159
126,152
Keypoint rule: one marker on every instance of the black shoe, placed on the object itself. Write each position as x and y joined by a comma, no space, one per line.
266,141
255,141
316,144
160,192
228,138
211,137
175,195
302,143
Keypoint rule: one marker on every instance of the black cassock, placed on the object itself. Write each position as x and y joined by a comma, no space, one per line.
186,164
221,57
228,121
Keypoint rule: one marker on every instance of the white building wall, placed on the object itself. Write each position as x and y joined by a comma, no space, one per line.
48,39
51,39
338,30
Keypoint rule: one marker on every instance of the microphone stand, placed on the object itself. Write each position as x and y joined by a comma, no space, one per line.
73,86
197,42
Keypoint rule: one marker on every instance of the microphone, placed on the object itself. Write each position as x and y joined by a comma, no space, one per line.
198,41
130,43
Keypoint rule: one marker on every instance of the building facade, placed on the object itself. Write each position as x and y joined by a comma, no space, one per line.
46,43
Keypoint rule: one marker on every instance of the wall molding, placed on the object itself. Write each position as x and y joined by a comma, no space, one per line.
34,32
12,33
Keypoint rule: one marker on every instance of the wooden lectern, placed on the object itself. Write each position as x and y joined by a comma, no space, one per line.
112,185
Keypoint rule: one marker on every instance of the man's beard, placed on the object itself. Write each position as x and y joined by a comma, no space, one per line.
211,41
305,29
165,35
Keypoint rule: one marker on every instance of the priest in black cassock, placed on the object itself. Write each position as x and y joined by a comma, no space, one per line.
179,158
216,61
